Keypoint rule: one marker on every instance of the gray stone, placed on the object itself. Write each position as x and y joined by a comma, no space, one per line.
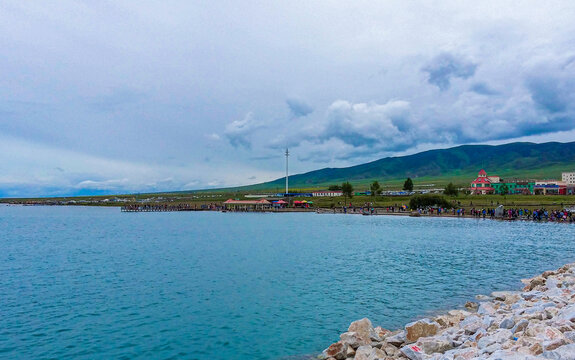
353,339
397,339
471,324
499,337
431,345
565,352
552,283
490,349
520,326
478,335
532,295
368,353
487,321
509,355
486,308
377,354
570,335
465,354
390,350
567,313
485,342
507,323
363,352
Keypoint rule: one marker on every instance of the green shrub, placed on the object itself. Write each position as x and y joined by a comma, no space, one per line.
422,201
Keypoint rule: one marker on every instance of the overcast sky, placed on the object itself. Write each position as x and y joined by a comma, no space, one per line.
136,96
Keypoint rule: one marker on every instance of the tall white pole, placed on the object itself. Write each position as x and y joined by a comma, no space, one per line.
287,188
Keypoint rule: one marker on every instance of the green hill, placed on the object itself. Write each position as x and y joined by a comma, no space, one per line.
459,165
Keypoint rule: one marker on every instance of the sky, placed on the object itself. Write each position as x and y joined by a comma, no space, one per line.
104,97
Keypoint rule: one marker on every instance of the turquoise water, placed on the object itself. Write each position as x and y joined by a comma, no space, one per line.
85,283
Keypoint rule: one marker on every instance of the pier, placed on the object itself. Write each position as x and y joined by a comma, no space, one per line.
167,208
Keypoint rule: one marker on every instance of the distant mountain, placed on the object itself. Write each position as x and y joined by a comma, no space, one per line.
458,164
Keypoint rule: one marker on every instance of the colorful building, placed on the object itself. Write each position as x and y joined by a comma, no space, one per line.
524,187
482,184
493,184
550,187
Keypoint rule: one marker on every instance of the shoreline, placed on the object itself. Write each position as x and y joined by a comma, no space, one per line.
337,211
537,322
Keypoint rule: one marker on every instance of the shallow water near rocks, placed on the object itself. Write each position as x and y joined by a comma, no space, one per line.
88,282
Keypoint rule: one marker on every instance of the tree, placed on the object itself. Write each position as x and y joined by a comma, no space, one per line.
347,190
375,188
334,187
504,190
408,185
451,190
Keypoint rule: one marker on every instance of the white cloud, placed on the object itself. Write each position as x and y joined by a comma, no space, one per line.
145,92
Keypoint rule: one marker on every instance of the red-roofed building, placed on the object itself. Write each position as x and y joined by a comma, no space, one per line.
482,184
247,204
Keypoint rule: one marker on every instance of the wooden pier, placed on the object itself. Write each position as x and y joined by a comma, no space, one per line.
166,208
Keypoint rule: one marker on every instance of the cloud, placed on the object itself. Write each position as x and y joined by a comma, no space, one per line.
483,89
213,137
446,66
112,184
298,108
365,124
147,92
546,92
239,132
116,99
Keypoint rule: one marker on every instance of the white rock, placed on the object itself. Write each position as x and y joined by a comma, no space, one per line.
397,339
520,326
413,352
471,324
565,352
465,354
486,308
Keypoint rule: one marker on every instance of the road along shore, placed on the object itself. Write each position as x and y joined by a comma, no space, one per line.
535,323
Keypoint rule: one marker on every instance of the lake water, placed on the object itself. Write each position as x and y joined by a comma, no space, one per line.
85,283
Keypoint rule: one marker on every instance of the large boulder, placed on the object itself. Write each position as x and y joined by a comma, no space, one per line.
397,338
471,324
364,330
421,328
413,352
353,339
487,308
566,352
337,351
464,354
507,323
432,345
366,352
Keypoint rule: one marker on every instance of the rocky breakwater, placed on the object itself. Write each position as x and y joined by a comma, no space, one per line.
536,323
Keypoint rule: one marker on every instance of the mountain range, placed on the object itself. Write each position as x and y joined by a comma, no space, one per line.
459,165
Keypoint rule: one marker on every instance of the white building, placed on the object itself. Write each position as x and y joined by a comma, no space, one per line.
568,178
327,193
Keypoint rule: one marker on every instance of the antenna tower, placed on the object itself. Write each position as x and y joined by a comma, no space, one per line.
287,187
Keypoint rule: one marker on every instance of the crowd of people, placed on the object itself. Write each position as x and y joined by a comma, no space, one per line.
542,214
